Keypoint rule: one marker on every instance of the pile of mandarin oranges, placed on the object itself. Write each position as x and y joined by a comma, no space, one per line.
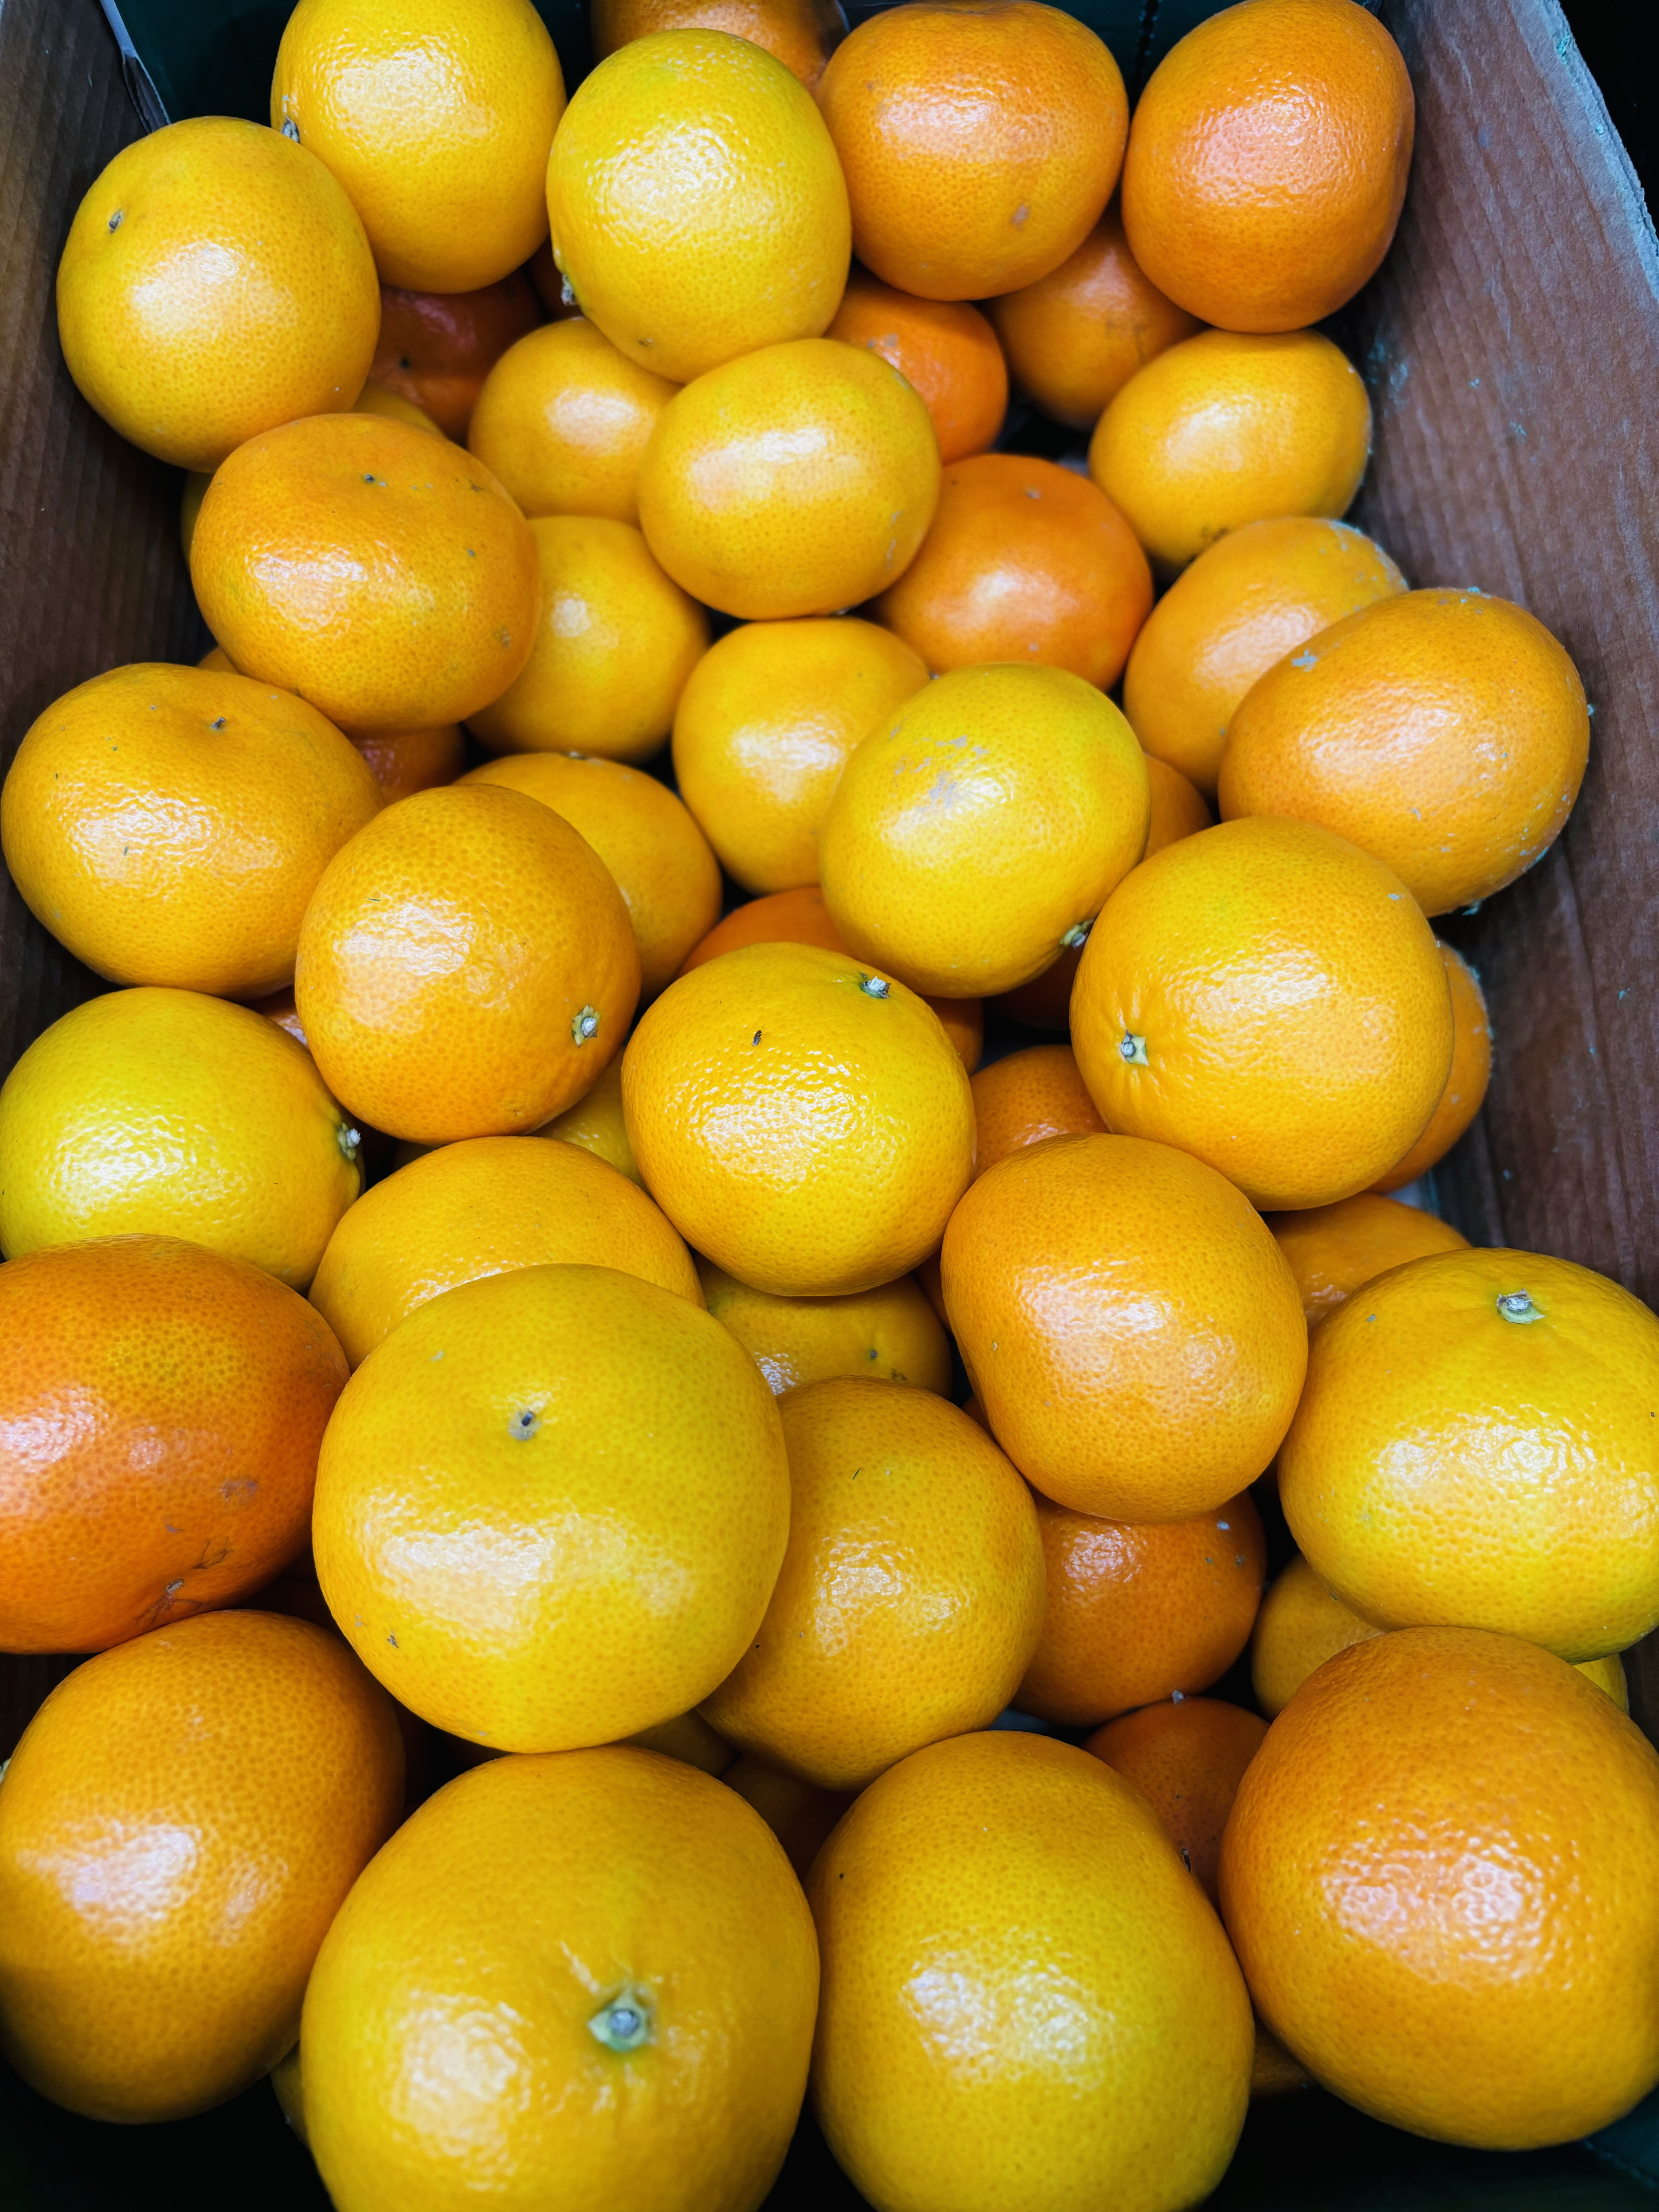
652,1534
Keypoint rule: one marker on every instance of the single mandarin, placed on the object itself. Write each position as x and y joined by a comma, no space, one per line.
688,1738
1248,599
763,729
983,827
890,1334
403,762
385,577
179,1824
910,1597
1608,1675
126,815
1465,1086
798,1814
798,480
563,420
1223,430
959,2061
979,142
595,1122
551,1506
437,348
615,643
1026,1098
1186,1756
1075,337
1267,163
963,1021
944,348
436,116
1444,731
568,1980
1448,1844
1128,1324
1334,1250
801,33
669,879
1137,1613
1270,998
161,1411
377,400
803,1122
484,1206
1025,561
698,209
467,966
1474,1447
162,1113
216,282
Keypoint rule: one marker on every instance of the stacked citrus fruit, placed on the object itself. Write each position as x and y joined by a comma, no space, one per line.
470,1308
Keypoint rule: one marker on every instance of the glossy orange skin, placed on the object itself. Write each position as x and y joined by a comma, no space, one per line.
316,543
890,1334
466,966
1444,731
1135,1614
944,349
1454,1461
1026,1098
404,761
1465,1086
595,1122
1027,561
376,399
1187,1757
945,1900
1415,1782
492,1907
980,143
180,1822
437,349
1179,807
800,34
799,1815
1270,998
1128,1323
1335,1251
1253,596
563,420
216,282
161,1412
1267,163
1075,337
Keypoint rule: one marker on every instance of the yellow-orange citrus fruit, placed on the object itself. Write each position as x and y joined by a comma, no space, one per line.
983,827
1333,1250
1027,1097
1136,1612
1075,337
404,761
436,116
179,1824
1187,1757
1223,430
1025,561
1269,997
1267,163
798,1814
763,730
595,1122
803,1120
437,348
1249,599
944,348
1466,1085
698,209
482,1207
964,1021
1444,731
168,824
1179,808
1449,1844
958,2062
216,282
669,879
551,1506
1608,1675
563,420
161,1408
1128,1324
377,400
979,142
565,1979
384,576
801,33
163,1113
798,480
910,1597
688,1738
614,645
467,966
1474,1447
890,1334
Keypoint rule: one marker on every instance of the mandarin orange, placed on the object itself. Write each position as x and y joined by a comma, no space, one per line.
1334,1250
890,1334
595,1122
563,420
944,349
437,348
798,1814
1186,1756
801,33
1466,1085
1027,1097
404,761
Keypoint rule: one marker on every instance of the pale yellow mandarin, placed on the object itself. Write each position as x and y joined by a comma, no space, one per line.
890,1334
